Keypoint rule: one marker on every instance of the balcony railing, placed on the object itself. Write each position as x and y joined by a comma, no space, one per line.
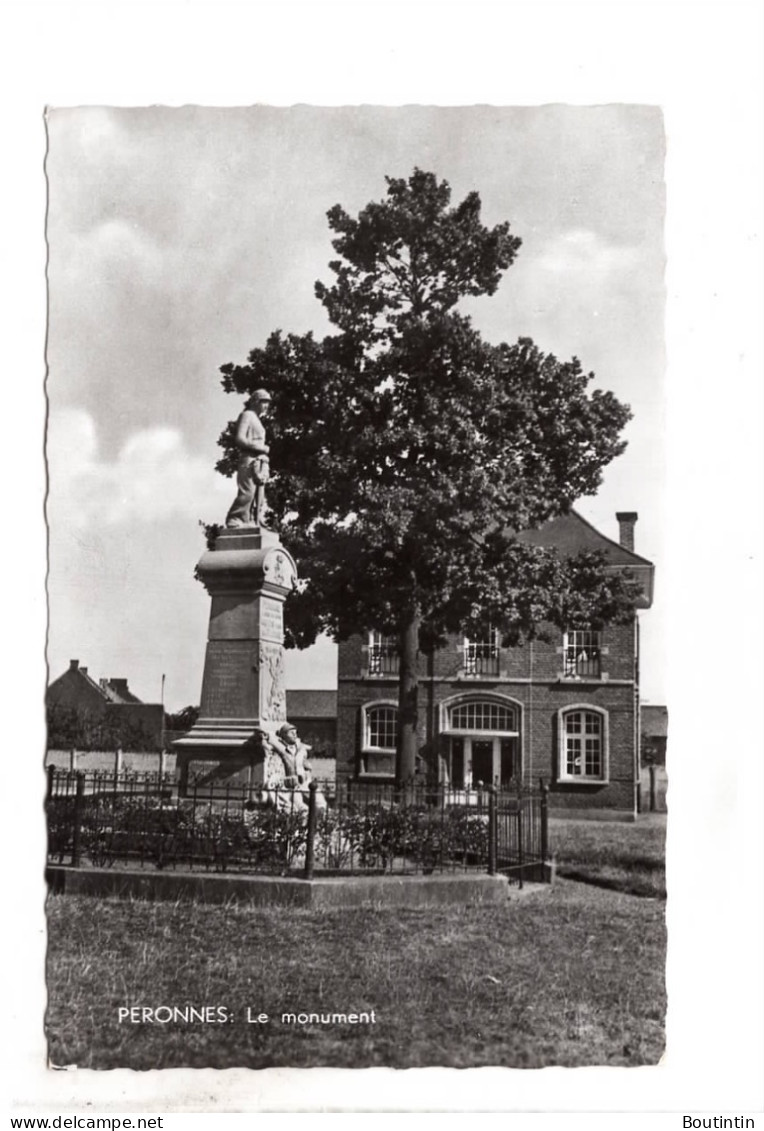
481,659
383,659
582,663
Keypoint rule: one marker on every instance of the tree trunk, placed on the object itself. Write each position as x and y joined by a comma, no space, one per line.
408,706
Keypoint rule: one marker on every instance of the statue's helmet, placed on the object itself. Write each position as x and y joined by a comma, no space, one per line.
261,396
286,729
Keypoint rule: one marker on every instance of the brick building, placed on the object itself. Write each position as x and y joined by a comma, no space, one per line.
92,713
567,711
314,714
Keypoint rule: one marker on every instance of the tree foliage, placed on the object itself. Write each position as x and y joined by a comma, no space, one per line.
183,719
79,728
409,453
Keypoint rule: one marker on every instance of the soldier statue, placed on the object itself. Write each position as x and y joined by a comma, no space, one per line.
253,470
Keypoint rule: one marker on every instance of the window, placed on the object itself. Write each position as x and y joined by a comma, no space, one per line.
480,714
383,654
583,742
481,653
379,724
582,650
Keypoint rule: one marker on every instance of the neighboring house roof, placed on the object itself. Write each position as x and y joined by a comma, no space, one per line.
118,691
311,704
77,677
654,721
74,681
571,534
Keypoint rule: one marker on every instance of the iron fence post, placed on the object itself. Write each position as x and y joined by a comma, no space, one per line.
77,832
193,838
312,814
51,771
653,805
493,829
544,820
520,854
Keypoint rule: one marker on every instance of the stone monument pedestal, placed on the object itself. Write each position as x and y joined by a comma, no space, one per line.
248,575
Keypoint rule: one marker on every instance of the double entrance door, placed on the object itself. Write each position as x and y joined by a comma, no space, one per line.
483,760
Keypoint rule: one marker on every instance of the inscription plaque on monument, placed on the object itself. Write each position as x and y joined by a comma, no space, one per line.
272,622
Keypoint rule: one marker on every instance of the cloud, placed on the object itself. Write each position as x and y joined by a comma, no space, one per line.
90,266
91,130
151,478
579,293
585,253
578,275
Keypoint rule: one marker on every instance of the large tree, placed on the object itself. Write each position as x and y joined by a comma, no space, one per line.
409,453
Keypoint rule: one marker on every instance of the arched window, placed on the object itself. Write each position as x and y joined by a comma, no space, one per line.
379,723
583,744
483,714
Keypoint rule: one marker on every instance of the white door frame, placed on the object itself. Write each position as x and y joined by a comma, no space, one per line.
496,741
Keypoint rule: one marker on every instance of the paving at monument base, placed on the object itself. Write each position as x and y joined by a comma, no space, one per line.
334,891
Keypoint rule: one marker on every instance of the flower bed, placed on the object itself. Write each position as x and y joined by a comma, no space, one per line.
377,838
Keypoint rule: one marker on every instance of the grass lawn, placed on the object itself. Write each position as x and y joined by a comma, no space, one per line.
626,857
571,975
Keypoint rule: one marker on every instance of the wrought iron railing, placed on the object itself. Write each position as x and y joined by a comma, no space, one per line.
481,659
583,660
384,659
132,820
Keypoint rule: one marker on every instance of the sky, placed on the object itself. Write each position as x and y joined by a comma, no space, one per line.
178,239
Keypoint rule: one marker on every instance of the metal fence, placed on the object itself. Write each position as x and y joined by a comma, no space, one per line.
138,820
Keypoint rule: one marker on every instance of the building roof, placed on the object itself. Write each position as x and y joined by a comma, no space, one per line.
571,534
311,704
117,691
654,721
109,690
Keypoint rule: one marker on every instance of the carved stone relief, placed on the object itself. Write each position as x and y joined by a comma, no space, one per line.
271,659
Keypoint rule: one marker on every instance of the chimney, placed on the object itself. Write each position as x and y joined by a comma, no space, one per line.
626,523
74,665
118,685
